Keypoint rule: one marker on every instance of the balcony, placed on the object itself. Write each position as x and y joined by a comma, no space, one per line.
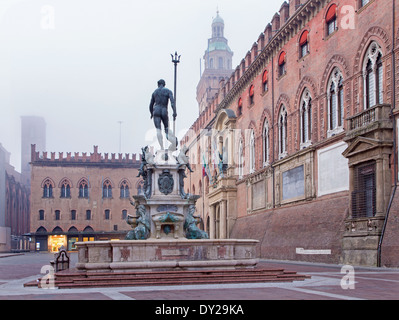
367,122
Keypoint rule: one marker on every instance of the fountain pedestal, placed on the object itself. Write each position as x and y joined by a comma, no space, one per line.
164,232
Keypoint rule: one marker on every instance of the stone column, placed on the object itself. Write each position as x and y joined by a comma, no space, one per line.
212,223
223,219
379,177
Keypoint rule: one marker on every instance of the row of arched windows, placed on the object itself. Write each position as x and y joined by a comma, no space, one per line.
373,95
65,186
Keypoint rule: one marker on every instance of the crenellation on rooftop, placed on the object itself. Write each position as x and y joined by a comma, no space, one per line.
77,157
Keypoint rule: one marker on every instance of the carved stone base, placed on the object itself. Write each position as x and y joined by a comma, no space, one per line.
182,254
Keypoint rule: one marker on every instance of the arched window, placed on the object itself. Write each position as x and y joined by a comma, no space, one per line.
240,159
306,118
107,189
282,132
304,44
83,189
251,94
252,152
373,76
140,187
282,64
265,140
65,189
331,19
335,101
264,81
107,214
124,214
48,186
239,109
124,188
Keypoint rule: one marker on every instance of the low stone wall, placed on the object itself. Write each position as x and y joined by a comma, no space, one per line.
145,255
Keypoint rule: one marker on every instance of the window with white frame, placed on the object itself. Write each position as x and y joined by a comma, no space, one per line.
107,189
306,118
265,140
252,152
373,76
124,189
335,101
65,189
240,159
282,132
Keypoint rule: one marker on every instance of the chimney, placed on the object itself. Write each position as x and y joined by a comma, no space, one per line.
275,23
268,32
284,13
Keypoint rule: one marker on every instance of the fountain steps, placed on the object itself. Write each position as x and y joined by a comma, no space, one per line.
72,279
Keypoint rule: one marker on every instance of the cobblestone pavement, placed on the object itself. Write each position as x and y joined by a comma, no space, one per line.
327,282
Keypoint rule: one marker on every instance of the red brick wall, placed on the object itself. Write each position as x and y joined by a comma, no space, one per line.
316,225
390,243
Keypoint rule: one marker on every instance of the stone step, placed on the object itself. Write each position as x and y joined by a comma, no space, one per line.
169,282
175,278
75,279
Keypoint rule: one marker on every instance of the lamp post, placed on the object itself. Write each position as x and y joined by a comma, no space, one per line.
175,61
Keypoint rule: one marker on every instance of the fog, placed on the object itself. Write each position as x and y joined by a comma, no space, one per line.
89,67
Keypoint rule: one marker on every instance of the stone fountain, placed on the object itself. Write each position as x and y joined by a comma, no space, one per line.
165,233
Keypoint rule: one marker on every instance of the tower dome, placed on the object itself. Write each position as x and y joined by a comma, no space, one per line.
217,27
218,19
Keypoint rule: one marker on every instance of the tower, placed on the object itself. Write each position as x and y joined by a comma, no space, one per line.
217,61
33,131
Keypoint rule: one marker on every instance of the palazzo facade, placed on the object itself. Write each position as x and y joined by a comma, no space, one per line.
80,197
298,147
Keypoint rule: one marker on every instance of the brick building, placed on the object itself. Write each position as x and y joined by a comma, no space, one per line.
306,127
80,197
14,206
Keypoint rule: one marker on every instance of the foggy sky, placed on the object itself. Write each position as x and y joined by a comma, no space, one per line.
84,65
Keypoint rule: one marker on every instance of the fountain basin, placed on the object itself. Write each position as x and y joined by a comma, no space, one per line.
166,254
